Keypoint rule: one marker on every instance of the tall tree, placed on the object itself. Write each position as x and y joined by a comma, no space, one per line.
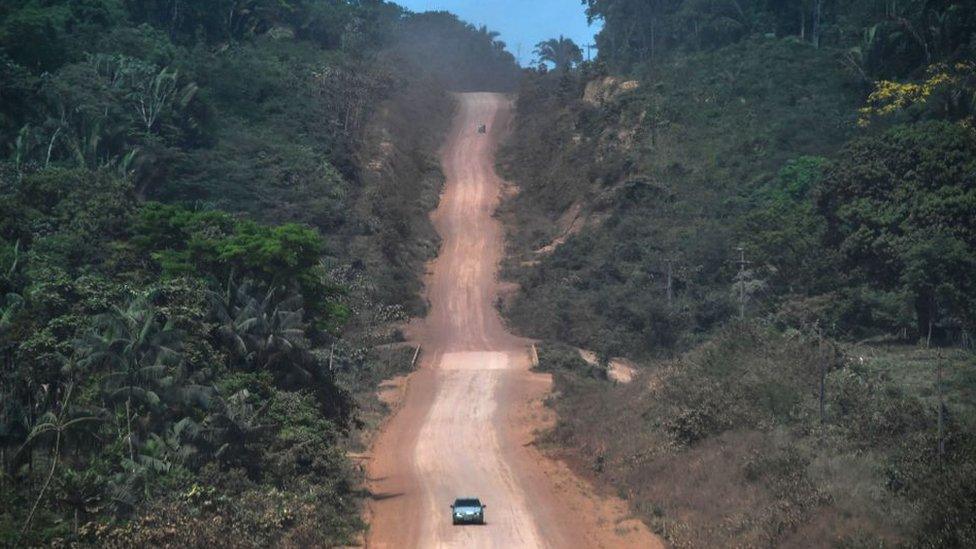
561,52
901,208
140,350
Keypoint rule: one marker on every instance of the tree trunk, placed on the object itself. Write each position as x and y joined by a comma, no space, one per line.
823,386
815,30
938,382
50,148
822,359
924,314
670,283
47,483
128,426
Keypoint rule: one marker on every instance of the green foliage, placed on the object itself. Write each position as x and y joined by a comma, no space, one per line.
214,245
562,52
270,138
706,130
785,230
883,38
899,206
34,36
674,175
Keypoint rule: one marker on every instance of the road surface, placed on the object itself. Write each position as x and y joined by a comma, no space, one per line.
466,423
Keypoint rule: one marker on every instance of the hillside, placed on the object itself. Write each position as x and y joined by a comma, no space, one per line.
210,218
769,207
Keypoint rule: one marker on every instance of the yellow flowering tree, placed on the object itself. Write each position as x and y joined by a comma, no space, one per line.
949,90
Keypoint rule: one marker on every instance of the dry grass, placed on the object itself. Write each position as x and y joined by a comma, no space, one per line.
758,476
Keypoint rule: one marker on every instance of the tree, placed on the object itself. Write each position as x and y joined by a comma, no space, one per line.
151,92
901,208
139,350
795,250
948,92
561,52
237,427
263,331
57,425
214,245
34,36
80,491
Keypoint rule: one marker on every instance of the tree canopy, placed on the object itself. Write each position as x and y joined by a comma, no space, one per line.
562,52
211,213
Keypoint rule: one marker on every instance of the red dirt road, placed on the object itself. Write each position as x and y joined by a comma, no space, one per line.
466,423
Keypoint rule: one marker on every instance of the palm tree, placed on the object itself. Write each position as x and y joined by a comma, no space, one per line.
11,305
263,331
561,52
14,416
234,429
81,492
139,350
57,425
157,456
487,34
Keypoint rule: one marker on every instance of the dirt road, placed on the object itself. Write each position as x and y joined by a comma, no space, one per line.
466,424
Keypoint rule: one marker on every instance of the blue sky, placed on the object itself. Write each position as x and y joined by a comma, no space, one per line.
525,22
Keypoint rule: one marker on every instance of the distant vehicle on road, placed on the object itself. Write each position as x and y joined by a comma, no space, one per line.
483,128
468,511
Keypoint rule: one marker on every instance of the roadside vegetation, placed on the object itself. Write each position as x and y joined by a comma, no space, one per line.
770,207
211,214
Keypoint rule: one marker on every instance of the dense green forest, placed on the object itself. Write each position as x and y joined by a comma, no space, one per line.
210,213
770,206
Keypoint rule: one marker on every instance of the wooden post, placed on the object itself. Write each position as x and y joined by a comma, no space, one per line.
817,14
670,285
742,281
938,382
823,375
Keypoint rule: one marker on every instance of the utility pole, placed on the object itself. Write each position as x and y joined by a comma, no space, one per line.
817,14
741,279
823,373
938,383
669,287
589,47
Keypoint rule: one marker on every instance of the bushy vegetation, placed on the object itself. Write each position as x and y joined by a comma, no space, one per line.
728,442
735,194
883,38
210,215
850,200
663,173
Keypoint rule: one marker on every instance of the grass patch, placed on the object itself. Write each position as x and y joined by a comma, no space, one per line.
724,445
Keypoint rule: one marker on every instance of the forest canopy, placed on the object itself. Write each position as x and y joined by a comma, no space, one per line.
765,209
197,250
